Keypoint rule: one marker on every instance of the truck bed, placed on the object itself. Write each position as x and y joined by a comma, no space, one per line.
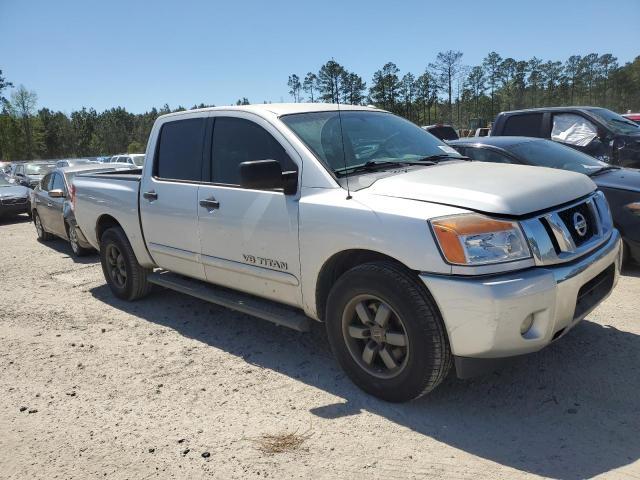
111,196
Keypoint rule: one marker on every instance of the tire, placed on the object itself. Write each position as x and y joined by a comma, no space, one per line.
43,235
124,275
389,290
76,248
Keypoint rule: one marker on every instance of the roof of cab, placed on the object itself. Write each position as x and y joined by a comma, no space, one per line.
279,109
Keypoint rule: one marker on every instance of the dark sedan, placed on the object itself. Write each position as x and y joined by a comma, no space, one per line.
621,186
52,205
14,198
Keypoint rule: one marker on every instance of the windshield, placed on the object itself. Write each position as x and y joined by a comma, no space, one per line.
38,169
5,183
616,122
368,137
545,153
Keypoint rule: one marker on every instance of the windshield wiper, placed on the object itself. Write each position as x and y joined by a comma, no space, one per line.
373,165
443,156
602,170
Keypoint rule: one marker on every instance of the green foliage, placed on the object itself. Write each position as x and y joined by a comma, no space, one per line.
448,91
136,147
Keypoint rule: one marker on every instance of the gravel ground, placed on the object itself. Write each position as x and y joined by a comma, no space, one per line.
173,387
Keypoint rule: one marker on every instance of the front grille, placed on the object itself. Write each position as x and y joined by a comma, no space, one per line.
554,238
14,201
592,292
569,217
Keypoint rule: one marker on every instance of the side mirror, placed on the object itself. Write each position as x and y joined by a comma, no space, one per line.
57,193
267,175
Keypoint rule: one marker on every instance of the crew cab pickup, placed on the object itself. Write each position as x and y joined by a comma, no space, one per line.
415,258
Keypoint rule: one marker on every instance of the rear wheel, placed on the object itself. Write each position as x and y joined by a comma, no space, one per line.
387,333
125,276
74,241
42,233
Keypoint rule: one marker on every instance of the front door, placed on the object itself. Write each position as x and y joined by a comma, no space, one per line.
54,221
169,197
249,238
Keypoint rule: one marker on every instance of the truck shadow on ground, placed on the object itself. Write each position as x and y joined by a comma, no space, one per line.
631,270
571,411
63,247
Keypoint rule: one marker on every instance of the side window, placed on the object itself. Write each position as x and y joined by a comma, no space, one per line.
486,155
525,125
236,140
45,183
179,154
573,129
57,183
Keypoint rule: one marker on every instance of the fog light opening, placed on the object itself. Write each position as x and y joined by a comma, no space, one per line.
526,325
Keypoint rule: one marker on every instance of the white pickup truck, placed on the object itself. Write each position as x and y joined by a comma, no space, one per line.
414,257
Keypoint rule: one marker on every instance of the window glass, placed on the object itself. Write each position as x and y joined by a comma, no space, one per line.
573,129
444,132
58,182
526,125
545,153
45,183
486,155
39,168
180,150
236,140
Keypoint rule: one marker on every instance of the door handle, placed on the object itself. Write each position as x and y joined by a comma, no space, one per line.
151,196
210,203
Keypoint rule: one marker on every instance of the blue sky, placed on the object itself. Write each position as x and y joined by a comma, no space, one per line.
143,54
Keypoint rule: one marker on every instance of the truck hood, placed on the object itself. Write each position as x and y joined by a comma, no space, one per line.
487,187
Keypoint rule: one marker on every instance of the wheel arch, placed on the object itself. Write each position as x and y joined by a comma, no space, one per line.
105,222
339,263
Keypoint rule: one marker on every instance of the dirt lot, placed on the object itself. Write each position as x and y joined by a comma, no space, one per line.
145,389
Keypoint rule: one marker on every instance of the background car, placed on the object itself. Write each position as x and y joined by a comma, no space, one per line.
52,205
634,117
621,186
598,132
443,132
72,162
14,199
136,159
29,174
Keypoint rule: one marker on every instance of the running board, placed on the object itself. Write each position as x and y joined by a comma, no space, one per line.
277,313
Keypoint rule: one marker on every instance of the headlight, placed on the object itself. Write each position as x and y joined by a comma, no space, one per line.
473,239
633,208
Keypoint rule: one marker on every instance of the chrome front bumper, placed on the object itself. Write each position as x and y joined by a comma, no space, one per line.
483,316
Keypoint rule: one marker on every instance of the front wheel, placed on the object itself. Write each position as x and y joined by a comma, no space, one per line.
125,276
387,333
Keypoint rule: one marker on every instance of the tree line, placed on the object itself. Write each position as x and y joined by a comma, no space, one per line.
446,91
467,96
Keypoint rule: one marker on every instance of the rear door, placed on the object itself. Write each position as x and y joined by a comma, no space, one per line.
169,196
249,237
